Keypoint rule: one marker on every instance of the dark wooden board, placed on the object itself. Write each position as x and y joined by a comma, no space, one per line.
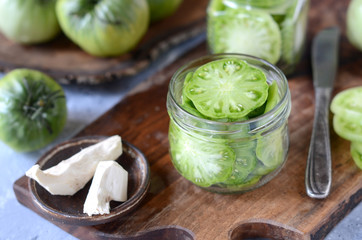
67,63
176,209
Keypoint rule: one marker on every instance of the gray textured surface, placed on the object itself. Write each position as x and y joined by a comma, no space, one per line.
85,104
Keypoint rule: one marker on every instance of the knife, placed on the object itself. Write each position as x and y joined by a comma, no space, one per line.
318,176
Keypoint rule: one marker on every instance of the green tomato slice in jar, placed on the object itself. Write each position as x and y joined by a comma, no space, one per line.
186,103
244,164
32,109
262,170
185,99
202,162
271,102
270,148
250,181
227,88
238,30
273,97
257,112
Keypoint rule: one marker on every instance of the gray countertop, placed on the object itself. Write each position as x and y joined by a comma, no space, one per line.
85,104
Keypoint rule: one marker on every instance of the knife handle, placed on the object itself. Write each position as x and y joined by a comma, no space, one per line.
318,176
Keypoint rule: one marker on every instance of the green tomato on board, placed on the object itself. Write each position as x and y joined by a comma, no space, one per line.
160,9
28,21
32,110
347,120
354,23
104,28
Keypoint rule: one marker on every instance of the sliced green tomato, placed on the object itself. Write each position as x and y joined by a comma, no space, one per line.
184,99
262,170
258,111
356,153
271,102
227,88
357,146
348,129
188,77
273,97
244,164
189,107
278,18
348,104
247,184
270,149
203,163
186,103
250,32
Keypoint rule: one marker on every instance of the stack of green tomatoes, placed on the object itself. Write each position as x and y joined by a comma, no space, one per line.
347,120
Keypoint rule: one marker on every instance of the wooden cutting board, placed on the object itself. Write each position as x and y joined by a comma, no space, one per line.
67,63
176,209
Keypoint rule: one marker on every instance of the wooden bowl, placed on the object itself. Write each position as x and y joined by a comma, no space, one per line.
69,209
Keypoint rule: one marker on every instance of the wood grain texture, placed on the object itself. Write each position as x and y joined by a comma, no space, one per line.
67,63
176,209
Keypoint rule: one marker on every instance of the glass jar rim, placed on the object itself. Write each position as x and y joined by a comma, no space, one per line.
268,115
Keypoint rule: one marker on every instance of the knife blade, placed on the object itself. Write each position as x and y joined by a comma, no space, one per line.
318,176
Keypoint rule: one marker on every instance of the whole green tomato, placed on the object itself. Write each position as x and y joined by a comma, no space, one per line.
105,27
160,9
28,21
32,109
354,23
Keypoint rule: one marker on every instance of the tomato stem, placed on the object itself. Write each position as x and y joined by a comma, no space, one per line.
39,99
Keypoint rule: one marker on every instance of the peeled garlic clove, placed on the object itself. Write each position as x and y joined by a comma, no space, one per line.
109,183
72,174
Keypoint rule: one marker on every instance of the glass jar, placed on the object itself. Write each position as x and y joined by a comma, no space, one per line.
229,157
274,30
